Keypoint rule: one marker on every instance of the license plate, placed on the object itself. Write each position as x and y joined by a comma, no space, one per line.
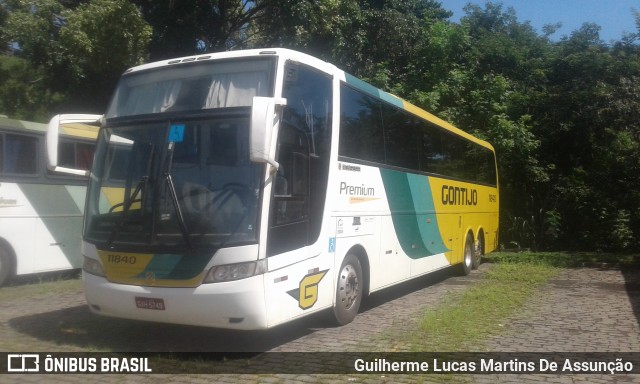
150,303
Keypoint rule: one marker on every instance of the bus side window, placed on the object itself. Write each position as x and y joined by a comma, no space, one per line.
291,189
19,155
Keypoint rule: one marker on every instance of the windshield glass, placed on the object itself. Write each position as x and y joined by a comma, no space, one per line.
193,86
174,183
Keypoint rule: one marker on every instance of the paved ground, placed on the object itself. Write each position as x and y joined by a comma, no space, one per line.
581,310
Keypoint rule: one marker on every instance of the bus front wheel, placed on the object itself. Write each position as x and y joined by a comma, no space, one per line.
348,290
6,265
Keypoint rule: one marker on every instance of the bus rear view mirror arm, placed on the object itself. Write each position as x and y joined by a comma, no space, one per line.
264,130
58,125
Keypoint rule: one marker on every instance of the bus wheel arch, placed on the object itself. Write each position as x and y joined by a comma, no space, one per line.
478,249
7,262
351,285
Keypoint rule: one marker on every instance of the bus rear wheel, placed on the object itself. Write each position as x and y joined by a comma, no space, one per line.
348,290
478,252
468,256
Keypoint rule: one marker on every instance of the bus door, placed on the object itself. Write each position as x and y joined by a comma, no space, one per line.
298,271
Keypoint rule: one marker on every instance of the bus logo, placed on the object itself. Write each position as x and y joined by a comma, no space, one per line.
459,195
307,292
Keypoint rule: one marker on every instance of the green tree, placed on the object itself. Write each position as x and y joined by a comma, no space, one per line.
81,51
188,27
23,94
34,25
4,39
99,40
376,39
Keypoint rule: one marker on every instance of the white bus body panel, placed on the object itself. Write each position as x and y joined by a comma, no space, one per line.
29,232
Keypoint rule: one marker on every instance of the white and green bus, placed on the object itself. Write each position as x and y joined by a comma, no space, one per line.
247,189
41,208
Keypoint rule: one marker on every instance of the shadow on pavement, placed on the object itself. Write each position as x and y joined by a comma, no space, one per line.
77,329
392,293
632,285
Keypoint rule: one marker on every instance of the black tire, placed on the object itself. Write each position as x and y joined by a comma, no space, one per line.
478,252
467,259
348,290
6,265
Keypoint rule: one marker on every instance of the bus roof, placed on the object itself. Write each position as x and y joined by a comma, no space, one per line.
20,125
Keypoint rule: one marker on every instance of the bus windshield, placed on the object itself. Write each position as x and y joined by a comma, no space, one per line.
187,183
201,85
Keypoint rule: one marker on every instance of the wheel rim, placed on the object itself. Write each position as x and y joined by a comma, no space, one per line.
479,246
468,254
348,286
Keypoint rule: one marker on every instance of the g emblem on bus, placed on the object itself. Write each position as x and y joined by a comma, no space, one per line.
307,292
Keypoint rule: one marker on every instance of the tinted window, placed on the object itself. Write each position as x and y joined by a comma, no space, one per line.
373,131
401,144
19,154
75,155
431,155
361,135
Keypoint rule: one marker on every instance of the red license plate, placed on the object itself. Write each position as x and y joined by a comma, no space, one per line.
150,303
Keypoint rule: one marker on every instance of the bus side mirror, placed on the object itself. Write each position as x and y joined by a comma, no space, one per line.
264,130
78,126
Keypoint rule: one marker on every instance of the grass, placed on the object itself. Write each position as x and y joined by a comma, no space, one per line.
566,260
463,321
39,285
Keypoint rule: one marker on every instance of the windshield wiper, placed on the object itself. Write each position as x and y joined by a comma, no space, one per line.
126,207
174,198
176,205
128,201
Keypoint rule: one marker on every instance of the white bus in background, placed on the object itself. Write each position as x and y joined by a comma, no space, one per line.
41,208
245,189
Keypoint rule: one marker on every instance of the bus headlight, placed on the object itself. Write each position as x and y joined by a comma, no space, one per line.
93,267
230,272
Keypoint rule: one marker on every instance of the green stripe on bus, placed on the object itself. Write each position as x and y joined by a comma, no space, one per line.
373,91
413,213
176,266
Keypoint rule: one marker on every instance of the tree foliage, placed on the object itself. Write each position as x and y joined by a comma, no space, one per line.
563,115
82,49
